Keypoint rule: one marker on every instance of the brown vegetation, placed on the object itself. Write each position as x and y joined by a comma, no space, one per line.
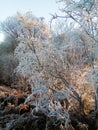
14,114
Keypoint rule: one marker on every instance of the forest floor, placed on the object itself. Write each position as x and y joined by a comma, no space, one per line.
15,115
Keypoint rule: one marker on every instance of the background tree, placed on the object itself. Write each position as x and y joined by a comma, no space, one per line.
7,60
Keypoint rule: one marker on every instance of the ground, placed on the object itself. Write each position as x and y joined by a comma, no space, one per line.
15,115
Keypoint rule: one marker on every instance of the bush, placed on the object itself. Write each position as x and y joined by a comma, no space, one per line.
7,66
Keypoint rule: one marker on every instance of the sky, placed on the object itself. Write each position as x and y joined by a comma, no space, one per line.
39,8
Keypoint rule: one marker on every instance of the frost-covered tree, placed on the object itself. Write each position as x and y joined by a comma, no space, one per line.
83,15
32,33
40,65
10,26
